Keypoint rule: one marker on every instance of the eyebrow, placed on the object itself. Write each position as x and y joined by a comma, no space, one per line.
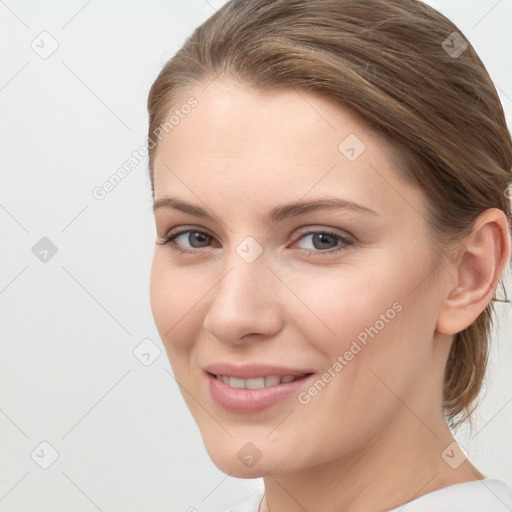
276,214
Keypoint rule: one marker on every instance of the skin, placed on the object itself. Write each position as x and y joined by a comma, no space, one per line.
373,438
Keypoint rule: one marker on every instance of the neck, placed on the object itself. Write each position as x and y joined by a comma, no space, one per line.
394,469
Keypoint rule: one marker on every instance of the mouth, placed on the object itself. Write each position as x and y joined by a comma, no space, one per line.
258,382
255,389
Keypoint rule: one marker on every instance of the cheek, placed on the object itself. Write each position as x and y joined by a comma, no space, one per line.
376,353
175,296
342,305
367,315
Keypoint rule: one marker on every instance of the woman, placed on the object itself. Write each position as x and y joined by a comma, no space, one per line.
330,194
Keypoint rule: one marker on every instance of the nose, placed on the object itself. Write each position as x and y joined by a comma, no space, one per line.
244,302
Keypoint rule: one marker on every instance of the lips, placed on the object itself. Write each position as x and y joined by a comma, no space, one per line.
254,370
248,389
258,382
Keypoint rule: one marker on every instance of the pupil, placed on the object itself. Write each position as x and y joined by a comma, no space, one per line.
323,238
197,237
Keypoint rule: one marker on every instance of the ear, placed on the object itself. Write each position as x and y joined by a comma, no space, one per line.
476,271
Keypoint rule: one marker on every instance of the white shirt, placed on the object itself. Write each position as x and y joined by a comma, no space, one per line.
487,495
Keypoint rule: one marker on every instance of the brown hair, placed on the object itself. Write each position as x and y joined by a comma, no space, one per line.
398,66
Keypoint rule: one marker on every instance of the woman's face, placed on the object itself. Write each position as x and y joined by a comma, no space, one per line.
344,298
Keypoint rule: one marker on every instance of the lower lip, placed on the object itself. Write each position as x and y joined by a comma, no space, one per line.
250,401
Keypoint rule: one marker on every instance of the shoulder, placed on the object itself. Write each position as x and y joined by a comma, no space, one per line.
250,504
487,495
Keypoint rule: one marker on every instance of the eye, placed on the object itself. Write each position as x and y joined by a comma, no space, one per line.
324,241
197,240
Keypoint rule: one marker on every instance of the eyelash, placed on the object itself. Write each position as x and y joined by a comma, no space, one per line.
344,242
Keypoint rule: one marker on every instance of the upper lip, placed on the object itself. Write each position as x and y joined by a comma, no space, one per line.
252,370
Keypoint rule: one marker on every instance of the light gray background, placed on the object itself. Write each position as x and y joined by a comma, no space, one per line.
69,326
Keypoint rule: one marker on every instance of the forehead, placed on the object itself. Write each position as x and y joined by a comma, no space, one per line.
247,145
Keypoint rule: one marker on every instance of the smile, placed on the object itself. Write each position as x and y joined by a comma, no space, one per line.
254,394
258,382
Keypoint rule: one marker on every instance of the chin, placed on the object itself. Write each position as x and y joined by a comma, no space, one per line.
242,459
229,463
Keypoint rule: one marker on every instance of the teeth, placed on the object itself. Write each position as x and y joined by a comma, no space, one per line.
258,382
272,380
236,383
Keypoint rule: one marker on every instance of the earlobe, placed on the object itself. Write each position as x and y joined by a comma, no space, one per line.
486,251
